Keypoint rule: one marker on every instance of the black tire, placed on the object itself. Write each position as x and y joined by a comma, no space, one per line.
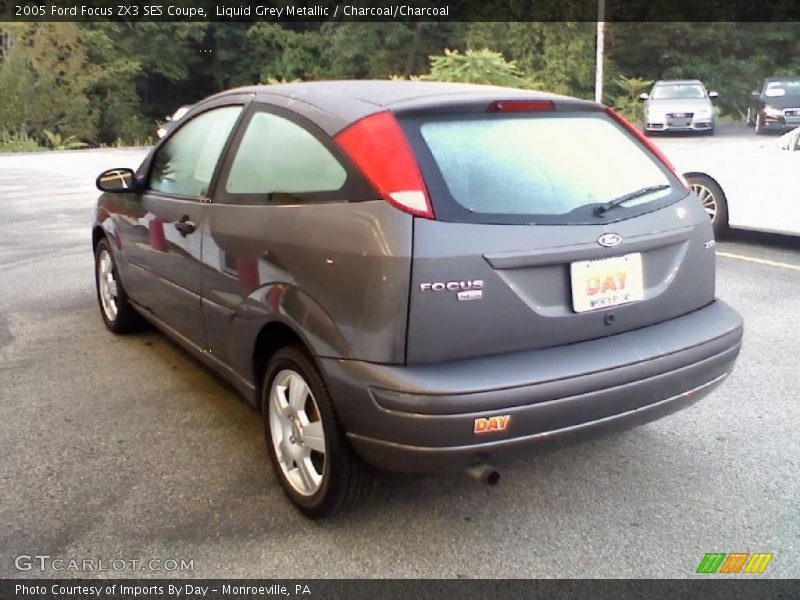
346,480
720,220
126,319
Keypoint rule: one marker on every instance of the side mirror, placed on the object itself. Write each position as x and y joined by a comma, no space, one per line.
644,96
755,94
713,96
116,181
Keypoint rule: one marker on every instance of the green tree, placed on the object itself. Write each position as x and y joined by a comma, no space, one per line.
731,58
559,56
476,66
627,102
44,82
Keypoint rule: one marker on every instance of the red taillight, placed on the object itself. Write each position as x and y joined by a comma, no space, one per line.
630,127
520,106
378,147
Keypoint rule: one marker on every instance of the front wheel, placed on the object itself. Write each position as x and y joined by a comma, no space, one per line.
117,312
759,124
307,445
713,200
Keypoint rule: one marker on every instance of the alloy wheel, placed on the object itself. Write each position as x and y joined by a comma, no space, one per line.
107,284
298,436
708,200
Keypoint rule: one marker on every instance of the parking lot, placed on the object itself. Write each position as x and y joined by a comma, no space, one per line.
124,447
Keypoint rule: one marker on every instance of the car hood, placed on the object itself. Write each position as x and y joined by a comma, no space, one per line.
680,105
783,102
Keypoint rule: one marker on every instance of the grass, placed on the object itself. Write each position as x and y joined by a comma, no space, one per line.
20,142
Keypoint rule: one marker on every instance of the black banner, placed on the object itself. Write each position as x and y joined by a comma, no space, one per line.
285,11
733,588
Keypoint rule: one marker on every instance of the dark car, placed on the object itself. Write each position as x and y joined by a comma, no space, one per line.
776,107
418,276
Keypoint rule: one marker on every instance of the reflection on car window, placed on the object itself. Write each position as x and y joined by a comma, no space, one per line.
673,91
278,156
185,164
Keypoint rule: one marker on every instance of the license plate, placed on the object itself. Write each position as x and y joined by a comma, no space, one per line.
678,115
607,282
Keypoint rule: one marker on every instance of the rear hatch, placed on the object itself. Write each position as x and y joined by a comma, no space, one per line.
524,249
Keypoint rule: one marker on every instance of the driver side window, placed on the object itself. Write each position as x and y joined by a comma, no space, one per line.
185,164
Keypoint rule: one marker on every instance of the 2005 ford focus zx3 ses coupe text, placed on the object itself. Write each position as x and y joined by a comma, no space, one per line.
417,276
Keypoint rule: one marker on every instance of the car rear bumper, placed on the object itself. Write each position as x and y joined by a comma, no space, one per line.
422,419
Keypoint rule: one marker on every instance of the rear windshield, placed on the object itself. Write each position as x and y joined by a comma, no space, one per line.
542,168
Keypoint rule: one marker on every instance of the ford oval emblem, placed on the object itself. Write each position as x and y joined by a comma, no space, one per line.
609,240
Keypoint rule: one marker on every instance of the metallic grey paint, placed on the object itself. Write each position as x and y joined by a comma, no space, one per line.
419,419
526,300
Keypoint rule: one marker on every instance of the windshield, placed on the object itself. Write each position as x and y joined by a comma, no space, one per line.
674,91
784,87
538,167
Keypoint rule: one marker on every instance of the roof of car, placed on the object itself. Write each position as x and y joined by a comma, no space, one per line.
674,81
344,102
385,93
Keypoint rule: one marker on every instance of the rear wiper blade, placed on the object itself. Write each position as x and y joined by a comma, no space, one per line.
611,204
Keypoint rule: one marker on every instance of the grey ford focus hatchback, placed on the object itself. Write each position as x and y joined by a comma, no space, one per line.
417,276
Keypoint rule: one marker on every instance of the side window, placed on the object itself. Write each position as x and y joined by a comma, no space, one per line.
277,156
185,164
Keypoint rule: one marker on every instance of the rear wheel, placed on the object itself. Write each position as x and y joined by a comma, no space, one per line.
307,445
713,199
117,312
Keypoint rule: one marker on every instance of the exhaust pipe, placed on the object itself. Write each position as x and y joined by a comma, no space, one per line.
484,473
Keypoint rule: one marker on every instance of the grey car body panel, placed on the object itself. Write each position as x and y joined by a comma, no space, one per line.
334,105
424,459
346,290
420,419
526,300
409,370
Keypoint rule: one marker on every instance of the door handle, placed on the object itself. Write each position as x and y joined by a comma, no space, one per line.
185,226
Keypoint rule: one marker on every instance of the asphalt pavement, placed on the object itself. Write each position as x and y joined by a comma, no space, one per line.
125,448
